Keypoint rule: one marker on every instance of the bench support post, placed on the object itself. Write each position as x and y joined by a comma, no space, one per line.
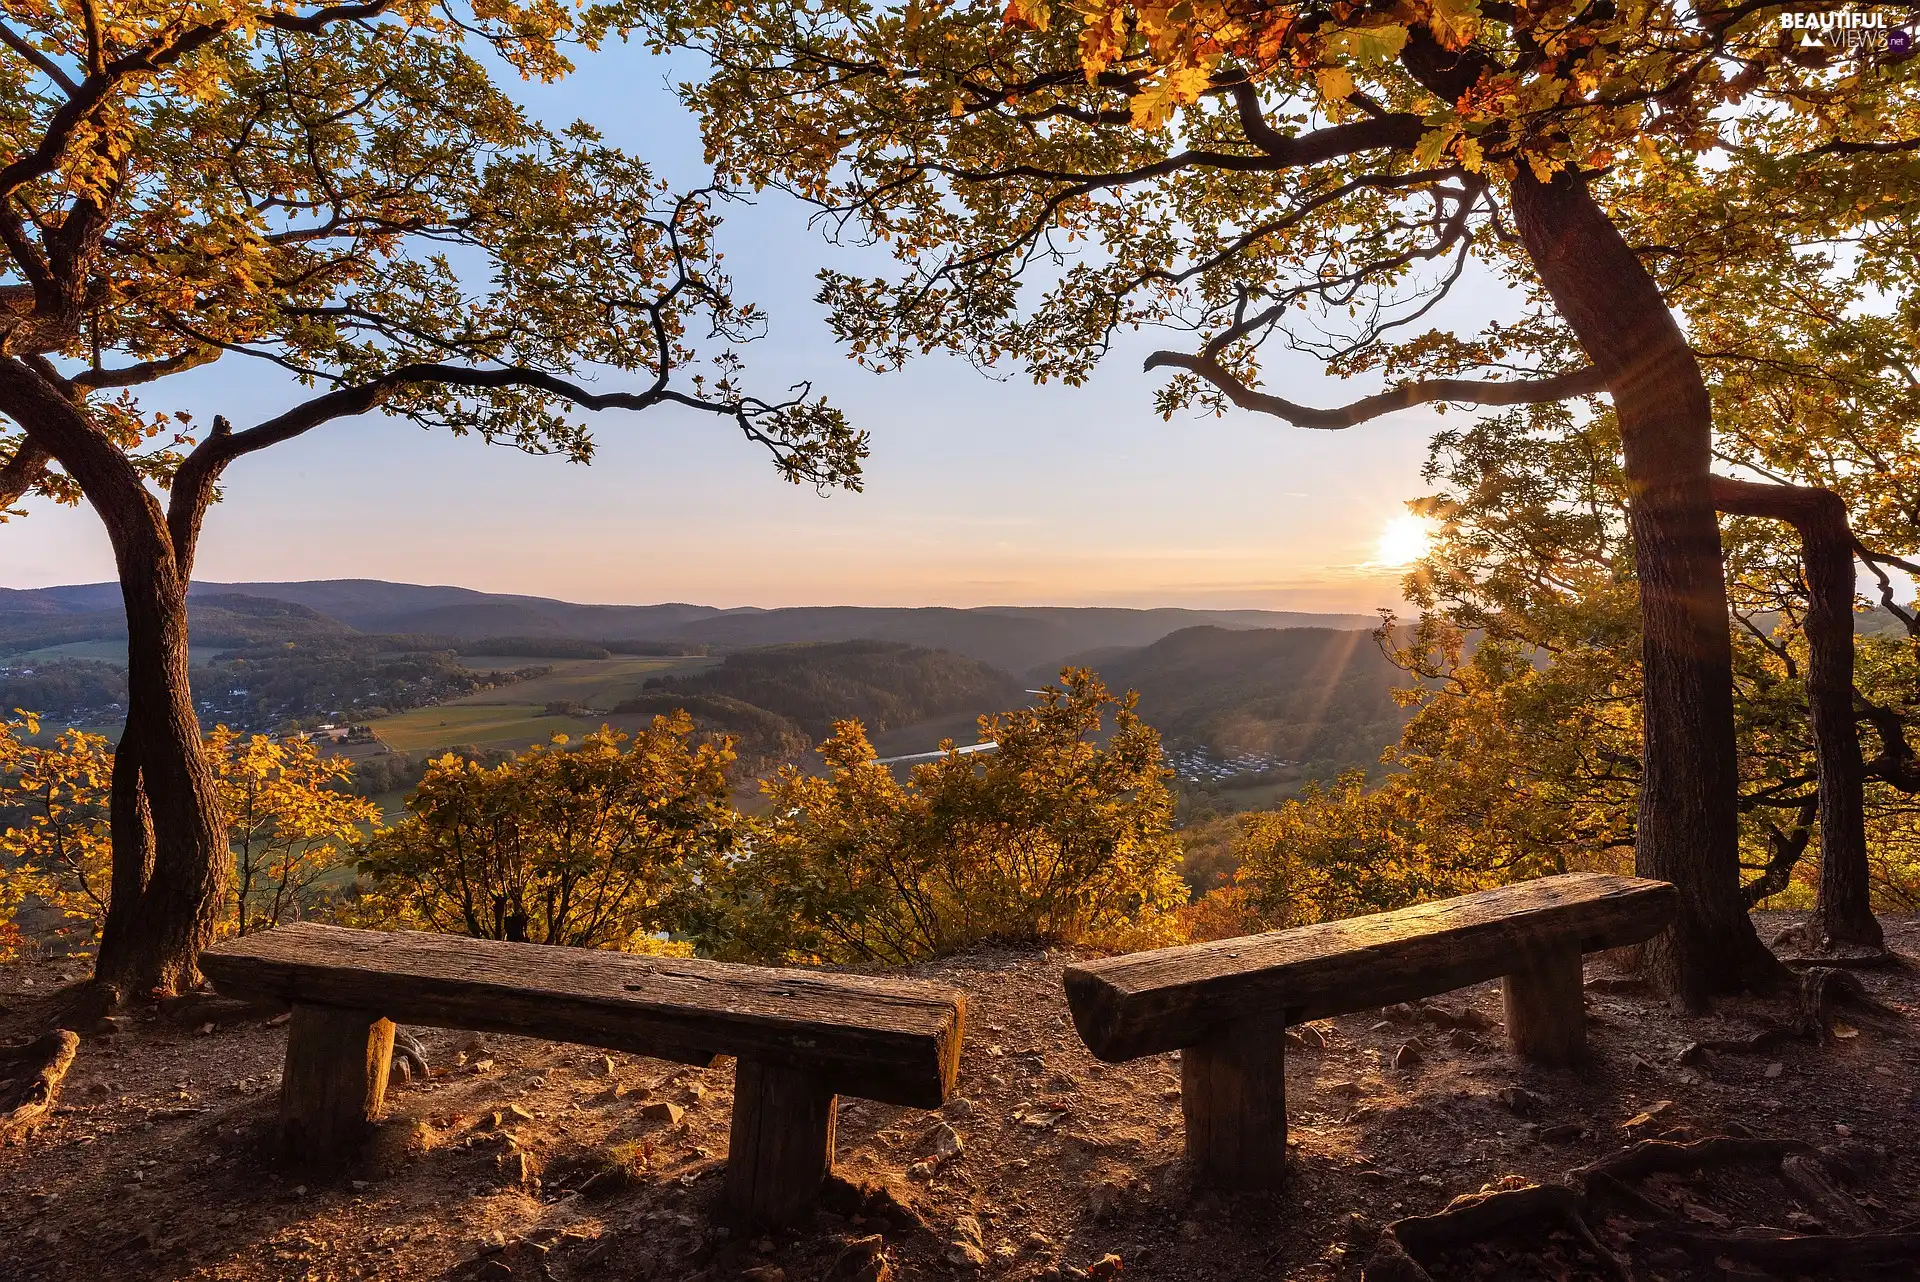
1546,1005
334,1082
1233,1092
780,1149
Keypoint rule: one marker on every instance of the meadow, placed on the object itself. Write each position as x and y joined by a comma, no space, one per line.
515,716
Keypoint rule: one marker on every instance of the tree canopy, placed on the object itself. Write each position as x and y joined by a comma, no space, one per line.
344,191
1321,177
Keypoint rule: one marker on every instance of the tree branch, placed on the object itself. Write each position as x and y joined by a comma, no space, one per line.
145,371
47,66
1556,387
22,472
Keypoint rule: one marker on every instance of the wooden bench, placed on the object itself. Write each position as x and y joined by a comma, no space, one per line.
1225,1006
800,1037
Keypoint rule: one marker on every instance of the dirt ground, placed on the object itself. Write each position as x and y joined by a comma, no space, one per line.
522,1159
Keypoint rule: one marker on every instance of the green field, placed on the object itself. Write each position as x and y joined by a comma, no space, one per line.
493,725
592,683
108,650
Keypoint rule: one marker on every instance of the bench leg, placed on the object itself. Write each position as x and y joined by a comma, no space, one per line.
1233,1092
780,1149
334,1083
1546,1006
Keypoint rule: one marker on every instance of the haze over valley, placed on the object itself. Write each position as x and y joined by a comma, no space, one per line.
399,672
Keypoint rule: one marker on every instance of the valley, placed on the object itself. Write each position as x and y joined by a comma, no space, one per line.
1248,702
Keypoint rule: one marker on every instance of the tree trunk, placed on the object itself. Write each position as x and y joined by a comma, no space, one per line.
179,903
131,825
1843,914
170,848
1688,830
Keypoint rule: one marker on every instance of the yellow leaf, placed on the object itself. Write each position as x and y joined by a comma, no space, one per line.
1371,46
1454,23
1335,83
1544,167
1433,144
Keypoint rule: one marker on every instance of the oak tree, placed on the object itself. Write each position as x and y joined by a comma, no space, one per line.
345,192
1321,176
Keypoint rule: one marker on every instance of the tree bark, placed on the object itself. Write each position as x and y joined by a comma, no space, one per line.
1843,913
1688,830
169,841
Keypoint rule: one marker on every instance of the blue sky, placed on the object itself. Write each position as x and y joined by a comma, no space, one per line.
978,492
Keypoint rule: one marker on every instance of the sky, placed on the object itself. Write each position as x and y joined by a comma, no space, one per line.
978,492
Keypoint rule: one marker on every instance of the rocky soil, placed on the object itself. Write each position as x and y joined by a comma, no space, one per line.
517,1159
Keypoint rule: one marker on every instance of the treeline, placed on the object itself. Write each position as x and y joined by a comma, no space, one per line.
1318,696
354,676
566,648
63,688
762,739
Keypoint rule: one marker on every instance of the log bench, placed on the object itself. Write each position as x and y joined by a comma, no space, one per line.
1225,1005
800,1038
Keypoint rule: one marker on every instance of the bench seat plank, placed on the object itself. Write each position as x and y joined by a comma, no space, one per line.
894,1041
1172,998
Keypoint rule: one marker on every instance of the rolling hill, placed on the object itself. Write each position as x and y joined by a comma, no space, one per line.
1313,695
1031,640
884,684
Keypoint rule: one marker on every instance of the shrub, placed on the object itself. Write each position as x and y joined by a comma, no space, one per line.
1053,837
1346,850
290,821
582,845
290,824
55,848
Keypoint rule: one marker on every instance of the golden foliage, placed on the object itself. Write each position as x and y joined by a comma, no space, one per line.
1054,836
55,854
584,845
290,824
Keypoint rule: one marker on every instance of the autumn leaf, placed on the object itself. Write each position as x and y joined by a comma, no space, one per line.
1335,83
1369,46
1034,15
1454,23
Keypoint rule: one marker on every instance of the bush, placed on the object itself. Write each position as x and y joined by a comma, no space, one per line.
289,822
589,845
1346,850
1054,837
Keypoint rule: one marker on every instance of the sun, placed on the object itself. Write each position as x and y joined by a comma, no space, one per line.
1404,541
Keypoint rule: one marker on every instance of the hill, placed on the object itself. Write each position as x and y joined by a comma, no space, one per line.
884,684
1033,640
215,618
1311,695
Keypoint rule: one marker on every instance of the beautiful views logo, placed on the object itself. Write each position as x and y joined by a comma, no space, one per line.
1860,32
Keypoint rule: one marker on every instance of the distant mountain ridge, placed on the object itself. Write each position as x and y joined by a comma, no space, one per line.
1024,639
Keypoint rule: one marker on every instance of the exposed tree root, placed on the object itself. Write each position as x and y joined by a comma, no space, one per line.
30,1078
1791,1253
1407,1243
1823,993
1410,1247
1665,1157
1817,952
